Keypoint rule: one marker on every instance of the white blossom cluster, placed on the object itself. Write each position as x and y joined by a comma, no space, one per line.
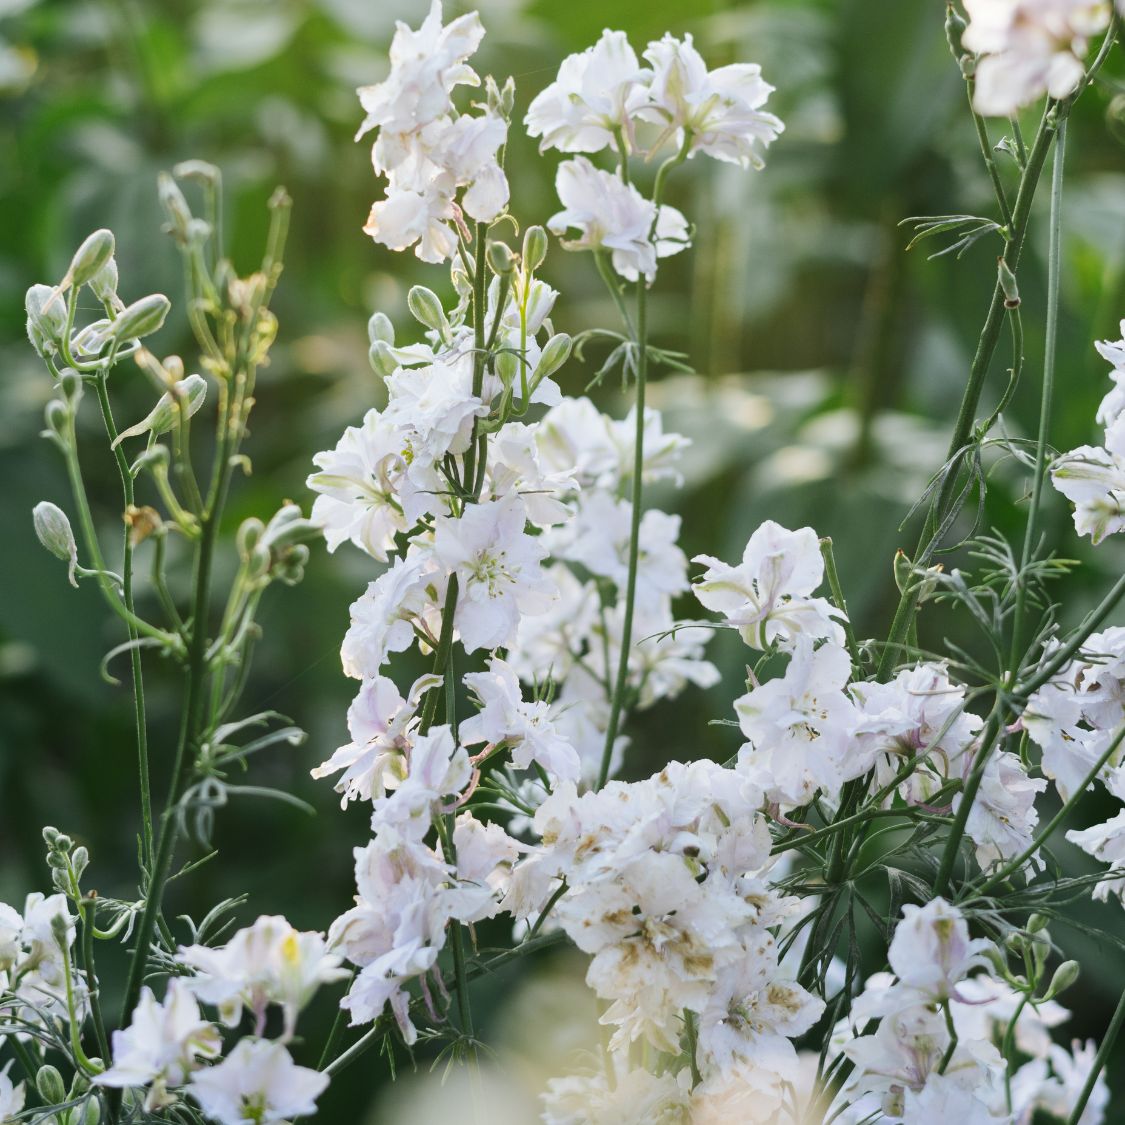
1092,477
934,1055
1029,48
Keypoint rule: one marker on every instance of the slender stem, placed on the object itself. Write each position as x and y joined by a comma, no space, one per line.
989,158
127,596
838,599
1099,1062
952,1029
636,498
87,909
1032,530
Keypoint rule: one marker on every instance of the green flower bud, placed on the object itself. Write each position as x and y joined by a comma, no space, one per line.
1037,922
508,368
54,532
90,257
46,318
1065,975
104,283
60,931
155,459
500,258
50,836
71,385
535,245
92,1114
80,860
382,359
142,317
250,532
188,394
379,327
198,170
426,309
555,353
175,206
49,1083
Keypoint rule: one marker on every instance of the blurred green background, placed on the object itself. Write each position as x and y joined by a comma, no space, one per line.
830,361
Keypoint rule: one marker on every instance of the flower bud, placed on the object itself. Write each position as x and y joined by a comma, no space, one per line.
955,26
1037,922
555,353
55,415
288,528
80,860
500,258
508,368
379,327
142,317
199,170
92,1114
49,1083
155,459
382,359
71,385
104,283
46,318
54,532
187,394
175,206
289,569
90,257
50,835
426,309
534,248
1065,975
60,931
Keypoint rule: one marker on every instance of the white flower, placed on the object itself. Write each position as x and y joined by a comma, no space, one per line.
384,616
259,1082
720,110
548,643
989,1006
1002,818
514,466
358,482
1093,479
612,215
1031,47
485,857
588,107
162,1044
799,727
435,405
11,928
425,65
12,1096
407,217
945,1098
268,962
1105,842
525,726
438,768
379,721
767,596
626,1096
498,569
1059,1094
931,950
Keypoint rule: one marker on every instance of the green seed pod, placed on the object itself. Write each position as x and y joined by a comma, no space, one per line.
90,257
49,1083
188,394
535,245
426,309
555,353
142,317
54,531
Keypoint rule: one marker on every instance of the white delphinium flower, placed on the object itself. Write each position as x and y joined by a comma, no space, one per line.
435,406
11,928
580,713
1113,405
719,112
485,857
38,975
162,1044
799,726
498,569
514,468
548,644
612,215
662,450
397,927
267,963
946,1097
379,722
259,1082
589,106
599,539
358,484
767,597
626,1096
1092,478
1002,818
384,617
931,950
438,769
12,1096
407,217
1070,1072
1030,47
1105,842
576,437
526,727
989,1006
425,65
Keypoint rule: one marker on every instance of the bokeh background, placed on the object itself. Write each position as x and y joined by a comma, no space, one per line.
829,366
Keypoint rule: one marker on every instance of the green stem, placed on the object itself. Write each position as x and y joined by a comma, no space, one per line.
838,599
1032,530
87,909
636,498
127,596
989,159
